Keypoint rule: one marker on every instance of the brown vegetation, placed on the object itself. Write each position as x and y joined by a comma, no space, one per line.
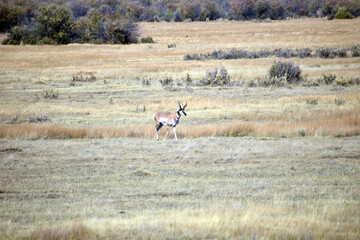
310,123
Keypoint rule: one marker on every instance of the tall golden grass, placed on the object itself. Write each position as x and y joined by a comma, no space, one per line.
306,123
277,220
69,231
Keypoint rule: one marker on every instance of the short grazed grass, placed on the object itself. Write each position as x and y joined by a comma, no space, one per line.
195,188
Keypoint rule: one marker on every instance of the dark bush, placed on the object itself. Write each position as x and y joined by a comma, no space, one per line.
296,8
276,10
48,94
289,53
329,8
243,9
304,52
10,16
210,11
16,35
284,53
84,30
285,71
120,32
324,52
96,28
355,50
190,10
166,81
329,79
79,10
194,56
262,9
146,81
178,17
147,40
134,11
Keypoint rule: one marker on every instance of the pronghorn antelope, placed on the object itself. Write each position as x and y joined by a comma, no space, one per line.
169,120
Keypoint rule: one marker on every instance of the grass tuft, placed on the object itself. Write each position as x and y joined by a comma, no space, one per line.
66,231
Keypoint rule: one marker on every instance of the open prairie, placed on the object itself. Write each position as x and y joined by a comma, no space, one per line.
79,159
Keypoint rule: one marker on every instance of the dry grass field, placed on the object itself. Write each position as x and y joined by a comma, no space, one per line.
79,159
219,187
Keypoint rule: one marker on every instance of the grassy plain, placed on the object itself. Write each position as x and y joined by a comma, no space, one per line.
268,163
195,188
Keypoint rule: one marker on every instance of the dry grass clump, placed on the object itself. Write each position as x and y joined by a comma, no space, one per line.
65,231
277,220
59,132
48,94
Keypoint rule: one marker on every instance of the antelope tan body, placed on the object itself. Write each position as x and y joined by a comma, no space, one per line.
168,120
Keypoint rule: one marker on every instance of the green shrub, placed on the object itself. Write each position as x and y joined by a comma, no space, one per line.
15,36
343,13
54,22
285,71
95,28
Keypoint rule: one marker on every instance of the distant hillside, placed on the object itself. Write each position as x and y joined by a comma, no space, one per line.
112,21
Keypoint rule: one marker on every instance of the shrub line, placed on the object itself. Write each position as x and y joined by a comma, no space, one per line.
322,52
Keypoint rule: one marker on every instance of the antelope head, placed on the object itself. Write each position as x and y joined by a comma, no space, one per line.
181,109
